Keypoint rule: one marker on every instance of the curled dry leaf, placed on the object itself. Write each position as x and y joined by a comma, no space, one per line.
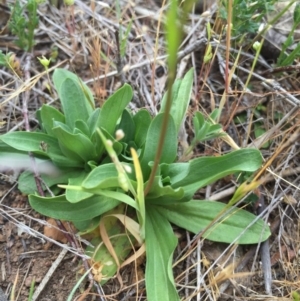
52,231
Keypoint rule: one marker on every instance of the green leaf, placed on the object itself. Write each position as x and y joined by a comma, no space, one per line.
205,129
113,108
76,98
160,245
259,131
292,56
87,226
75,196
39,144
102,177
120,196
60,208
140,193
163,195
73,102
127,125
196,215
169,152
30,142
92,122
27,185
82,126
48,115
205,170
79,144
297,14
174,34
60,75
142,120
181,94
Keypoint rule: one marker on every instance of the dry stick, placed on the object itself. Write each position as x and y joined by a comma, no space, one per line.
280,69
25,99
197,45
24,278
269,178
120,64
49,274
274,86
188,263
265,251
227,52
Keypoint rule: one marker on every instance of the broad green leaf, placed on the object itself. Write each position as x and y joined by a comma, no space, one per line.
120,196
30,142
163,195
175,172
102,177
205,170
175,91
160,245
169,152
68,152
181,99
27,185
196,215
142,120
75,196
127,126
73,102
39,144
5,148
60,75
79,144
87,226
113,108
49,114
82,127
92,122
60,208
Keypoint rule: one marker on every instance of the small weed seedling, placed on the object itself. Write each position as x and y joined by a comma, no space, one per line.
246,15
23,26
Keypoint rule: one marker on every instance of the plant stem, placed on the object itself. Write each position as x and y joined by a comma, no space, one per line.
173,45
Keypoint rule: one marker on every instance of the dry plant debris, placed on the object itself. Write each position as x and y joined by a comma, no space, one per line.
83,39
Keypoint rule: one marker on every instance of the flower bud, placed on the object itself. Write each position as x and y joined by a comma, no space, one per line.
69,2
44,61
256,45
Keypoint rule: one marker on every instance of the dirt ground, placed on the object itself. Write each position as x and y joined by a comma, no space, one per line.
212,271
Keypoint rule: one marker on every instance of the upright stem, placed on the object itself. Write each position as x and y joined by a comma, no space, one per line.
174,33
25,99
